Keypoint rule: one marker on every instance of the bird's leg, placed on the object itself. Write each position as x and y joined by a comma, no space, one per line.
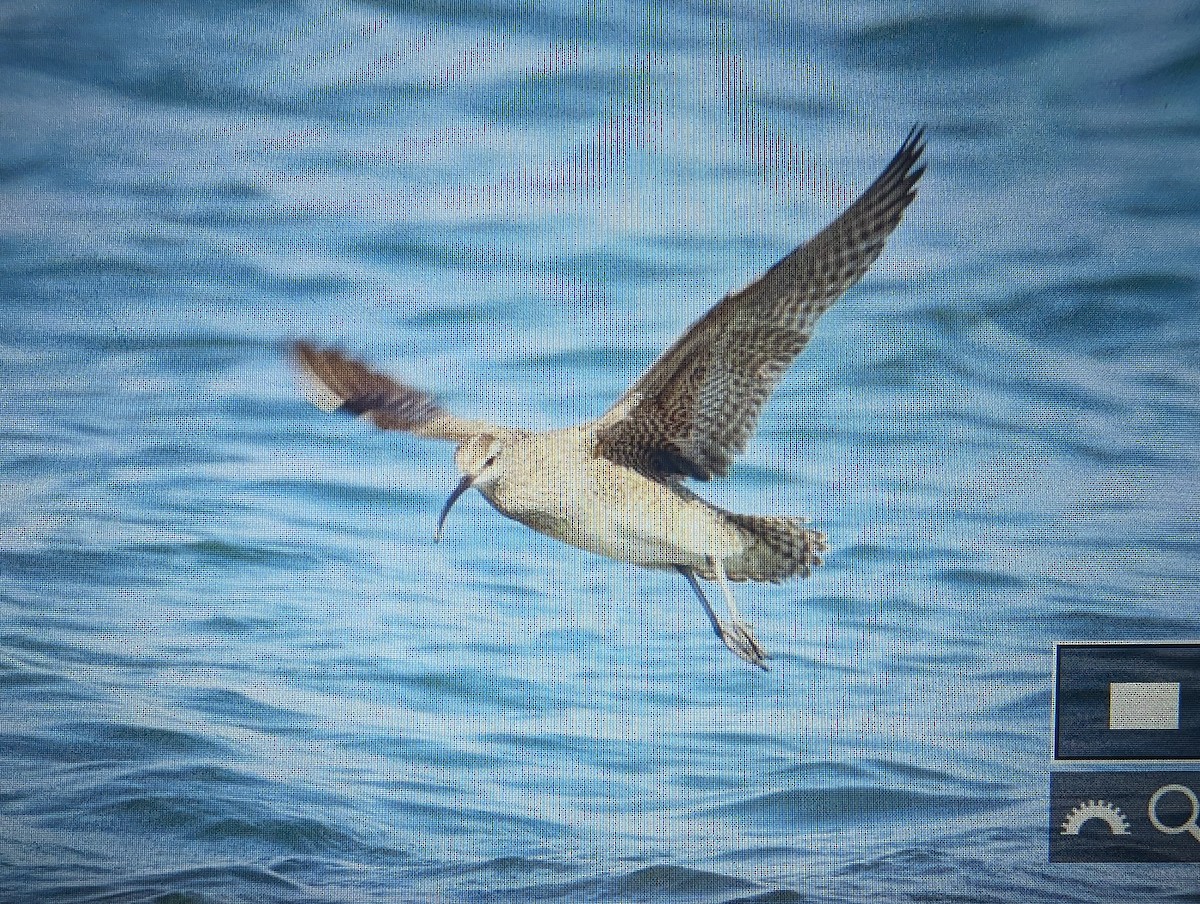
737,625
735,634
708,609
723,581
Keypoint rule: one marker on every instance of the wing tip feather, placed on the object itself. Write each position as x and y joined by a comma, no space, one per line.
907,166
316,389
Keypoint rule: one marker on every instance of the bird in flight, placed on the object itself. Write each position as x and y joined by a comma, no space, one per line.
616,485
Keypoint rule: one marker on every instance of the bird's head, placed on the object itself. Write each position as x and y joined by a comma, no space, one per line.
482,462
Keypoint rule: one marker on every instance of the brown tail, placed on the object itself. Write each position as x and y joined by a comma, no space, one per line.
780,548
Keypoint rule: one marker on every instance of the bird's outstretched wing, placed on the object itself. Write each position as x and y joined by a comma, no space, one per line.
339,383
694,410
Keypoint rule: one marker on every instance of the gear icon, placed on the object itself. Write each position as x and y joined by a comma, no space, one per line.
1108,813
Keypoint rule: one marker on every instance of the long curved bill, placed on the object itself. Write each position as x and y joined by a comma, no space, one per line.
463,486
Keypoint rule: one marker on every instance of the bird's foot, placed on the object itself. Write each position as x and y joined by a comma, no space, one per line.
739,637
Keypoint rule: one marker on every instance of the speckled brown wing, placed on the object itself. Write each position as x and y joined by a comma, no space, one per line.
694,410
339,383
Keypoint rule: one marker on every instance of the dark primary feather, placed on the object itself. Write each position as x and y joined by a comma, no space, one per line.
342,384
696,407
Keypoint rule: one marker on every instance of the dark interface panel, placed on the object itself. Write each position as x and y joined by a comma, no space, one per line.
1126,779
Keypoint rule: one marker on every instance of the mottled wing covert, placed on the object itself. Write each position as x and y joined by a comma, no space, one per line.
696,407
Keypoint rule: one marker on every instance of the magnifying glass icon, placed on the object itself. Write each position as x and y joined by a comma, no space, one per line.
1189,825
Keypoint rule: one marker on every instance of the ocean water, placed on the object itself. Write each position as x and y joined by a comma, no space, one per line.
235,666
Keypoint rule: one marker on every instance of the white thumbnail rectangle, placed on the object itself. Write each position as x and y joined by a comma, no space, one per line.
1143,705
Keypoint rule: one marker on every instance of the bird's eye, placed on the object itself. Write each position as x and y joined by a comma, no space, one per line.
491,460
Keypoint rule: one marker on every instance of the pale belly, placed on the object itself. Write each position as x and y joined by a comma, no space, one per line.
621,515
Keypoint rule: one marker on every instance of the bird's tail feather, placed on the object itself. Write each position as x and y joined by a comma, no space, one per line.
779,548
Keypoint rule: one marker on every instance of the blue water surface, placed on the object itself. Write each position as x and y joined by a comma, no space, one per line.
234,665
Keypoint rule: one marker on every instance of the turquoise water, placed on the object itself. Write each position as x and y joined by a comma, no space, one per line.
236,668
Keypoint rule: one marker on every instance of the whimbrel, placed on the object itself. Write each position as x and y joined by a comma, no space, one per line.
615,485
